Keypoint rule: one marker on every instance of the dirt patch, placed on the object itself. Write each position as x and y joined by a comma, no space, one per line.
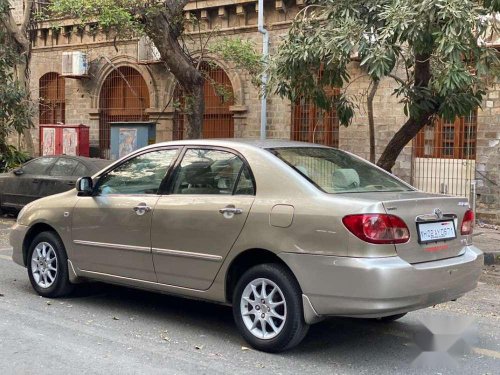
491,274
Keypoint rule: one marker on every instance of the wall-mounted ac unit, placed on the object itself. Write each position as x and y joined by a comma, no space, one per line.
75,64
147,53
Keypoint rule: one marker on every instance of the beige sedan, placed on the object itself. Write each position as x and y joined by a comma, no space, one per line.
288,233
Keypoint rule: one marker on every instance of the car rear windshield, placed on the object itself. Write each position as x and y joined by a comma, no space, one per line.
335,171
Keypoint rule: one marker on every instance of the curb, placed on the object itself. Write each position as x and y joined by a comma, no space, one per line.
491,258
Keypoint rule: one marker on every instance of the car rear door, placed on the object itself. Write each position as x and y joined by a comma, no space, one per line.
196,224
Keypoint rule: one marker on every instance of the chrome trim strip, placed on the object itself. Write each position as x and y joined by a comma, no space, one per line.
142,249
187,254
111,276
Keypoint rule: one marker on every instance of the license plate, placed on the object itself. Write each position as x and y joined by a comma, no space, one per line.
436,231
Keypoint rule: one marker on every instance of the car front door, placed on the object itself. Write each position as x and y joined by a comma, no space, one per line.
61,176
196,224
111,230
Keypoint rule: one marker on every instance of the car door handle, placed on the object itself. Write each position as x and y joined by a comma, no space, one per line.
141,209
231,210
36,181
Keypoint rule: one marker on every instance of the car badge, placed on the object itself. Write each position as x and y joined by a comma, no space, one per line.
438,213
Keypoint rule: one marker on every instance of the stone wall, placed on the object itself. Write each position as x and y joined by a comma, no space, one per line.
488,157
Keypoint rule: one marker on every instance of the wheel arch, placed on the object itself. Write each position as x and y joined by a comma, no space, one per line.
32,233
244,261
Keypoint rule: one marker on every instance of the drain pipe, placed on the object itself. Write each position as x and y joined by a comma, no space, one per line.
265,55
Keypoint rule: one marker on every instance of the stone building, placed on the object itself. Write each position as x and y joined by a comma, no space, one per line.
448,157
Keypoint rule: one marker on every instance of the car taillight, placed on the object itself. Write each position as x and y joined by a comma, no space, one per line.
467,223
378,228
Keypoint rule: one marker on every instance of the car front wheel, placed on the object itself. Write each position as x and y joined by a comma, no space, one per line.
267,308
48,266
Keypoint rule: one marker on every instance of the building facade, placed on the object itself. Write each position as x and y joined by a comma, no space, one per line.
123,85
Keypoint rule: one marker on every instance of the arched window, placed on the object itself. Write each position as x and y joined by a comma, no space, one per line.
124,98
218,121
51,99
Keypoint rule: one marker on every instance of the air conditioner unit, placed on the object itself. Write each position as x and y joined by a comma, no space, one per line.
147,53
75,64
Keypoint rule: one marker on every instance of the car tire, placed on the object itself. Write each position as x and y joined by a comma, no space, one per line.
47,265
280,307
390,318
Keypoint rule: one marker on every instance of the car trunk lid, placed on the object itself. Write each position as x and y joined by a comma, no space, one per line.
434,222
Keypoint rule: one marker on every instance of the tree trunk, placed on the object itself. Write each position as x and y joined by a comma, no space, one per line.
195,112
415,123
404,135
371,120
23,79
164,29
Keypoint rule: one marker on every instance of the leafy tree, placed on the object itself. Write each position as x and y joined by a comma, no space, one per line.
432,48
164,23
15,54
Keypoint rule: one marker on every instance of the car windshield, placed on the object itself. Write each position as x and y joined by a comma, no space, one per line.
335,171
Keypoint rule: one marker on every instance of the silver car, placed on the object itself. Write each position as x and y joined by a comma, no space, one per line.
287,233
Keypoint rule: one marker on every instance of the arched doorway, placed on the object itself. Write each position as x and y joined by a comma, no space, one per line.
51,99
218,121
124,97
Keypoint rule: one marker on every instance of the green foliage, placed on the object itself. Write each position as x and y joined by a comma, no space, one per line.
15,110
123,16
389,37
12,158
242,53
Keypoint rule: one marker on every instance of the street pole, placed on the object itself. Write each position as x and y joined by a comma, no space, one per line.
265,56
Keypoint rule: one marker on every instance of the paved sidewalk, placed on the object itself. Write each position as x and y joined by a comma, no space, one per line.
488,240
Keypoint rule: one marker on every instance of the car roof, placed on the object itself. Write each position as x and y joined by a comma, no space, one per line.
234,142
94,163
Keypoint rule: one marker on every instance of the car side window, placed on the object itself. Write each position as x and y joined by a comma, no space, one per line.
206,171
142,174
63,167
245,184
38,166
81,170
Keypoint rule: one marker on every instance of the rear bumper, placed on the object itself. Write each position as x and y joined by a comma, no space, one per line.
377,287
17,235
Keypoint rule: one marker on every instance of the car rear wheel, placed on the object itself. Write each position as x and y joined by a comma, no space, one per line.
48,266
267,308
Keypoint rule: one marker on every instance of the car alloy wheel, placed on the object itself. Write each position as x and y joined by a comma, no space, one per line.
263,308
268,309
44,265
47,265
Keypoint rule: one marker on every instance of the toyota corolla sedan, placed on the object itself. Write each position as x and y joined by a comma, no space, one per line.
288,233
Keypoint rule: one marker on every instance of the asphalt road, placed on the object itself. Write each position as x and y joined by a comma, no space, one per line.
105,329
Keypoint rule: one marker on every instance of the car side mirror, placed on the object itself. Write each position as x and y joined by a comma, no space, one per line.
84,186
18,172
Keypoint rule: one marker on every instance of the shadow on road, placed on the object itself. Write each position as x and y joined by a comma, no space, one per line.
342,338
